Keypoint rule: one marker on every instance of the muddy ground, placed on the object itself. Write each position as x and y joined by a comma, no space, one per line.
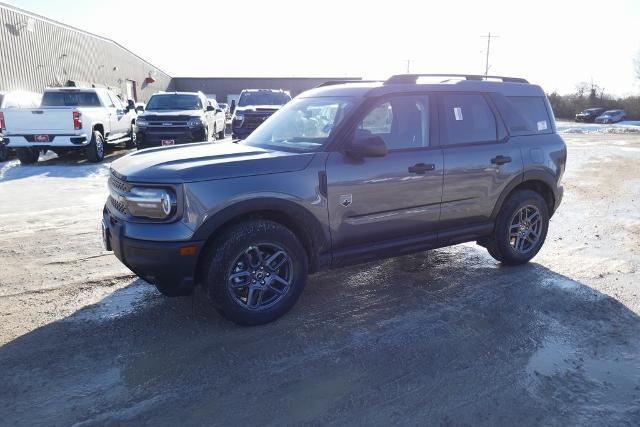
447,337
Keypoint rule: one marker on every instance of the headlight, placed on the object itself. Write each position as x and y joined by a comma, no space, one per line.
140,122
154,203
239,117
194,122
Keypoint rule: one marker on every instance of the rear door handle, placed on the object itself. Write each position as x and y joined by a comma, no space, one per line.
501,160
421,168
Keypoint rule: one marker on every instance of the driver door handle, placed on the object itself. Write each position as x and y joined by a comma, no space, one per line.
421,168
501,160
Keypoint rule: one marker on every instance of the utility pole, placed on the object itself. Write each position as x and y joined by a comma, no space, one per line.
408,66
486,66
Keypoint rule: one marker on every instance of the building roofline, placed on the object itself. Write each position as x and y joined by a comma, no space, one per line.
78,30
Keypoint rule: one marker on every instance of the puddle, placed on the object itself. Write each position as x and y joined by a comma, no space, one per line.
122,302
619,376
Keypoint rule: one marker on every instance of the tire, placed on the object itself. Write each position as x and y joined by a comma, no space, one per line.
236,253
223,133
521,228
95,150
27,156
133,138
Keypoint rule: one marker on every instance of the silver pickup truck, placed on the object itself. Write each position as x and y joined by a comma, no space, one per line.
69,119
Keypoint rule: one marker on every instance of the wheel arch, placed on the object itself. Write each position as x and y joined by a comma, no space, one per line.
538,181
290,214
98,127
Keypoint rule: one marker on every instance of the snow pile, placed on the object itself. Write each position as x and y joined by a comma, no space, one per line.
624,127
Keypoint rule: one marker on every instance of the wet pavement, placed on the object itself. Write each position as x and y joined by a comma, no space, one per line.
446,337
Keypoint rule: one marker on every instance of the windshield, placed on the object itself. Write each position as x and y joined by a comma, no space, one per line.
303,125
70,99
263,97
174,102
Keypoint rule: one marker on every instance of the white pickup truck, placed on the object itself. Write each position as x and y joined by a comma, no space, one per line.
69,119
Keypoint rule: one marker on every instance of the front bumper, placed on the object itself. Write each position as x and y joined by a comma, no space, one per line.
165,264
153,138
21,141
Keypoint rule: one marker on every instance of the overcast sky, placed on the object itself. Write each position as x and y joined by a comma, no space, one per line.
553,43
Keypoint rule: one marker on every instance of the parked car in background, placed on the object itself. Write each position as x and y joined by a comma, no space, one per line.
15,99
172,118
342,174
589,115
226,109
254,107
611,116
69,119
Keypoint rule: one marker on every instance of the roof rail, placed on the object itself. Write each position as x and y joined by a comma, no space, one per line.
413,78
340,82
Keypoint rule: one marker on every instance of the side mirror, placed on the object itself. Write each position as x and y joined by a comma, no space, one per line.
210,108
370,146
140,109
131,105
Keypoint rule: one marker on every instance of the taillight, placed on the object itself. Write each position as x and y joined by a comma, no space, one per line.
77,122
1,120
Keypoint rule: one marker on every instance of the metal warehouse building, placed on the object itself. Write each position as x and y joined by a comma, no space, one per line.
37,52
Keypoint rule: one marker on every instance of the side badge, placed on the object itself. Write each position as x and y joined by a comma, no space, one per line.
346,199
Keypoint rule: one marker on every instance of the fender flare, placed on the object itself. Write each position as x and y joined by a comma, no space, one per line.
305,225
544,176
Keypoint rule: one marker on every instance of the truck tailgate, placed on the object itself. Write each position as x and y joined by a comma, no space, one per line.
38,120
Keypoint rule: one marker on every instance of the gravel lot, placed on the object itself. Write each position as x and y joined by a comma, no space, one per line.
445,337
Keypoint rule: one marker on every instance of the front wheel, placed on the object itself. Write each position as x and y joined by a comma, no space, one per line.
223,133
521,228
255,272
4,153
27,156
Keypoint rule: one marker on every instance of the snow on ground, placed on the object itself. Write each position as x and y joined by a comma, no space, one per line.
626,126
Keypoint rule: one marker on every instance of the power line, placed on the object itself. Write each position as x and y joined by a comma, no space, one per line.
488,37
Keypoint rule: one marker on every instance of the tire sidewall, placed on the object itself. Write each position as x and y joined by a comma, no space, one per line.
228,248
501,237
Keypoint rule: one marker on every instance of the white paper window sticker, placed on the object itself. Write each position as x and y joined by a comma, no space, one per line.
542,125
457,111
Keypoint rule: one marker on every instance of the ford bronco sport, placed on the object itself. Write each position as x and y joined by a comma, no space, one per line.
342,174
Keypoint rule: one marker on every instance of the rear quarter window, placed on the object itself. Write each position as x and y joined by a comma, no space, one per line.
524,115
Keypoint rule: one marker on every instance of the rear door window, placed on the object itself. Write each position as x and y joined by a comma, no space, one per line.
467,119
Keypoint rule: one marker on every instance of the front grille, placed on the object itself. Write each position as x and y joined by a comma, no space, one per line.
118,184
254,120
120,207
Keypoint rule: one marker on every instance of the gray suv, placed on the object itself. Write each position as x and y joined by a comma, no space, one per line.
342,174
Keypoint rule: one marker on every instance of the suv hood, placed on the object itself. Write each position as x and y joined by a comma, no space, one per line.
205,161
170,113
253,108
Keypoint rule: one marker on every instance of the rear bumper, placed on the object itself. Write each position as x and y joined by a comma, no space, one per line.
26,140
159,263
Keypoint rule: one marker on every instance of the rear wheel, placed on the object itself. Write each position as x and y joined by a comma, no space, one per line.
255,272
521,228
133,138
95,149
4,153
27,156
